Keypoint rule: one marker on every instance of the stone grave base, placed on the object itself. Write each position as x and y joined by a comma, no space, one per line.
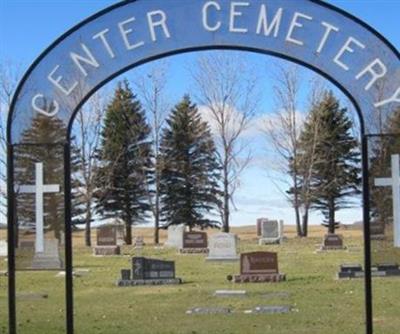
46,262
378,237
330,248
269,241
193,251
106,250
160,281
222,259
259,278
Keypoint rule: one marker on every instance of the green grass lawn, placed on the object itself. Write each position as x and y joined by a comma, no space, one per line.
321,303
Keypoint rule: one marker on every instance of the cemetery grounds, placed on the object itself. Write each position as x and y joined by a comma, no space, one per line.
320,302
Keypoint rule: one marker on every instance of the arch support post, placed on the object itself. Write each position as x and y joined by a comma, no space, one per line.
11,232
69,297
367,236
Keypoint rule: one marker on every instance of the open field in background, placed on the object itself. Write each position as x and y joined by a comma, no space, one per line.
321,303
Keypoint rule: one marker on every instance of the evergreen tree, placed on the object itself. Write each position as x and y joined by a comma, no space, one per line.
49,136
124,175
382,149
190,173
335,171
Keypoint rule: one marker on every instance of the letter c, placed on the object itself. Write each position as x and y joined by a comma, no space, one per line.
42,111
205,16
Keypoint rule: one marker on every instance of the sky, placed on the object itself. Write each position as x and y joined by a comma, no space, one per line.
27,27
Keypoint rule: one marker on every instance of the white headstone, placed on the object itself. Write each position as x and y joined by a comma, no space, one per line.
271,232
394,182
3,248
39,189
175,236
223,247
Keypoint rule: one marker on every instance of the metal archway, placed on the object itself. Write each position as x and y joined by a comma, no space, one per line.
337,45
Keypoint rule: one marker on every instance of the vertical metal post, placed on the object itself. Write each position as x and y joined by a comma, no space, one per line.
367,237
68,241
12,319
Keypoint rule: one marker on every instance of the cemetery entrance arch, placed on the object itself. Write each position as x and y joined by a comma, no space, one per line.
337,45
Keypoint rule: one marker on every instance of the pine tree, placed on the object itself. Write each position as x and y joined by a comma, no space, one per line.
382,149
124,175
44,132
190,173
335,171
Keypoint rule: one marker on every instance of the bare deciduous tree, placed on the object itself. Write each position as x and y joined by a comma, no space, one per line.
151,89
86,142
226,87
283,130
9,77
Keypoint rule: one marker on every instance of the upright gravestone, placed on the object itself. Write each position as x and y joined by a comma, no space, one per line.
332,242
3,248
107,241
377,230
223,247
149,272
49,259
120,234
260,222
175,236
259,267
272,232
194,242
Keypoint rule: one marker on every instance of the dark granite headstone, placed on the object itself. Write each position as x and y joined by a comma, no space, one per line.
125,274
259,263
107,235
143,268
387,266
377,230
194,243
332,242
149,272
259,267
194,240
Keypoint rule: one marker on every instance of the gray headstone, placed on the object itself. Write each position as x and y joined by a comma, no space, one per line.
271,232
223,247
3,248
50,258
175,236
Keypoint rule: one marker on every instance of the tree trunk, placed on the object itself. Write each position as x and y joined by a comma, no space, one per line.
225,226
297,212
128,232
157,212
331,222
88,221
305,222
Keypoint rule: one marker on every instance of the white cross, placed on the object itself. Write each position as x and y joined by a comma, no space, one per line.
394,182
39,189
